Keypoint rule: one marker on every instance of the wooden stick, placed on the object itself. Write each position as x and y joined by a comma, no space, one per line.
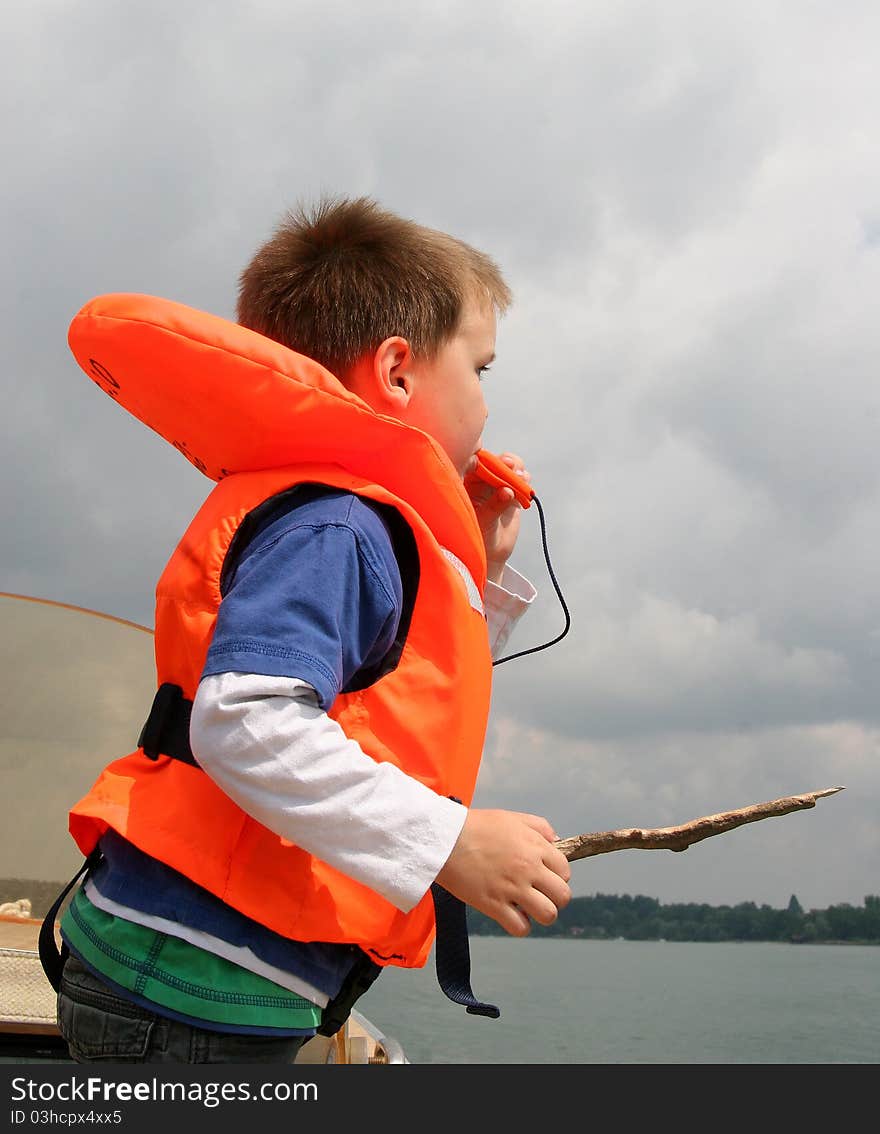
680,838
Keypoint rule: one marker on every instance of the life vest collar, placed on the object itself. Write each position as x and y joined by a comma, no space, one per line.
231,400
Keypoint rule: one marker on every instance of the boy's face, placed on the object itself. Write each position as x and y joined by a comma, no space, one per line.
447,396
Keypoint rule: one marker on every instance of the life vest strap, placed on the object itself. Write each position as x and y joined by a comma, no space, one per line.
51,957
166,729
452,953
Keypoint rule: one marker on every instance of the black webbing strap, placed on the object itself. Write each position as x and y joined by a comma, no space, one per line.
51,957
166,729
452,953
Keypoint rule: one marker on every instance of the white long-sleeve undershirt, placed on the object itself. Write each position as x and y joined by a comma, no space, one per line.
266,742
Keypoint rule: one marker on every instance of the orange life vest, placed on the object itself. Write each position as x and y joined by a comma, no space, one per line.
259,418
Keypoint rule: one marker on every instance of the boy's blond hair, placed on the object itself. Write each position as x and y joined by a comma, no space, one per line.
335,281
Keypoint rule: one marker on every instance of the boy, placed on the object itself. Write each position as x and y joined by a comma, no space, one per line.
321,638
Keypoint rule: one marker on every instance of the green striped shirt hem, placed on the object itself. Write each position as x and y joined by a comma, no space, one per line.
175,974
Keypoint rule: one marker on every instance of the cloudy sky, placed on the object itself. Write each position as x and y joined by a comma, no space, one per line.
685,199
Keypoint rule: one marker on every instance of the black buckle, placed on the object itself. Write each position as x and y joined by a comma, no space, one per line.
363,972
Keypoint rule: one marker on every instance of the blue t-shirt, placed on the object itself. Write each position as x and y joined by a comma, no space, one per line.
312,590
315,595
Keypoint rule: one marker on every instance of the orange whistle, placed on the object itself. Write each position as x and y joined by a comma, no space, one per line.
495,472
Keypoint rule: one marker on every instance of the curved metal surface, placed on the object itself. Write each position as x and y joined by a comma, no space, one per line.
386,1046
76,687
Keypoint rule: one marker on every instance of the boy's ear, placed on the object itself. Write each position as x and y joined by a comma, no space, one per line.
392,362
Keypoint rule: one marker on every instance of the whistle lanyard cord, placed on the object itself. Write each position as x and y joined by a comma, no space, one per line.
561,635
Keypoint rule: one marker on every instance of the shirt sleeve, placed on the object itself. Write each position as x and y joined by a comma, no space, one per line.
267,743
505,604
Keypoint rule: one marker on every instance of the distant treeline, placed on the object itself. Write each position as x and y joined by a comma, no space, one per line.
608,916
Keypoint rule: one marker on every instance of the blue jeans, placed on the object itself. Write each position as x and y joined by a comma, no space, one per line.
101,1027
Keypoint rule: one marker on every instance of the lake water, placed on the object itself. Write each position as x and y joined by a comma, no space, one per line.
637,1002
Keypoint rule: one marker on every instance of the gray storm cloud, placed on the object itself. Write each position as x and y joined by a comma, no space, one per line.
684,200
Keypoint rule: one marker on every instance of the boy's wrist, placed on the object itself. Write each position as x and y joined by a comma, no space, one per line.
495,570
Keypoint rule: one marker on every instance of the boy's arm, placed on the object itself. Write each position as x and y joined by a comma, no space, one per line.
266,742
272,749
504,863
508,595
270,745
498,515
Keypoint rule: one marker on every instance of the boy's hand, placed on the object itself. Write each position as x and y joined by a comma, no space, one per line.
498,515
505,865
